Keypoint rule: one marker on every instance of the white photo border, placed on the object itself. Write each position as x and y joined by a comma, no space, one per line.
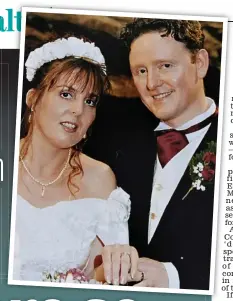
26,10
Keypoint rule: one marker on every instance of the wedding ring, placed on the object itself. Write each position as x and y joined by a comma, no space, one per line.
142,277
125,253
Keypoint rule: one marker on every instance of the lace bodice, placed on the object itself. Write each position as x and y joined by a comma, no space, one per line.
60,236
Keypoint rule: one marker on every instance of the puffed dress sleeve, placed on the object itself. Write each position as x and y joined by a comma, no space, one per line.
113,221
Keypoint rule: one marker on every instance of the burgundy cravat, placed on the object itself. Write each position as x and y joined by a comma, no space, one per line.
171,142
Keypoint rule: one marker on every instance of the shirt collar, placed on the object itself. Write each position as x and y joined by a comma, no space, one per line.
163,126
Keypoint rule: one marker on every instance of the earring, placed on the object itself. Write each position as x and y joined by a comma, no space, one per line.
84,136
30,116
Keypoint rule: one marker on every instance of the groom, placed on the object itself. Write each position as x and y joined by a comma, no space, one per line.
169,171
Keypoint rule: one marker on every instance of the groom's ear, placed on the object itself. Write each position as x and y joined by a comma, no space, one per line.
202,63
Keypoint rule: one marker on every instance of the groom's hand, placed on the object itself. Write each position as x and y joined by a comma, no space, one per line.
154,273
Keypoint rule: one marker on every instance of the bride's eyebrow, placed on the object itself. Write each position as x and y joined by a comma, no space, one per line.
70,88
93,95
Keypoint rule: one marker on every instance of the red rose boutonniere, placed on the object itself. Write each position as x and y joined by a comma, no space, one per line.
202,168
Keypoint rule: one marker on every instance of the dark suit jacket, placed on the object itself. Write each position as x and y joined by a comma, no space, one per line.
184,233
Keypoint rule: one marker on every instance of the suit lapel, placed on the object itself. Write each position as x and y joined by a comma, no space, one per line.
135,170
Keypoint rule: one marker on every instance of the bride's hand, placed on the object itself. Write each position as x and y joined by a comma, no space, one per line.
120,264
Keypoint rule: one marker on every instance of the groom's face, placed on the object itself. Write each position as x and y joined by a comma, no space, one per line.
167,77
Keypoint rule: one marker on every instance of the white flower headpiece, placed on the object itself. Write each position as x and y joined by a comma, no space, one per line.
62,48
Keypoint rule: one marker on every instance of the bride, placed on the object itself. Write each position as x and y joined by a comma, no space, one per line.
68,205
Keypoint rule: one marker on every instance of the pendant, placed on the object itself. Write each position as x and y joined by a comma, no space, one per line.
42,192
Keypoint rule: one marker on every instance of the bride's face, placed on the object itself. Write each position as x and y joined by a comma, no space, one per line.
65,112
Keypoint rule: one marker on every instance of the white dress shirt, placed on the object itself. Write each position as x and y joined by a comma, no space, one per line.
166,180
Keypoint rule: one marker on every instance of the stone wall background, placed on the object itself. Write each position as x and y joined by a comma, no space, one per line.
104,31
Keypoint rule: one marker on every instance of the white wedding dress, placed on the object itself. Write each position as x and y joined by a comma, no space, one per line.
60,236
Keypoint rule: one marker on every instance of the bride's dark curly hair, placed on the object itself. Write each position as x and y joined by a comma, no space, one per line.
74,69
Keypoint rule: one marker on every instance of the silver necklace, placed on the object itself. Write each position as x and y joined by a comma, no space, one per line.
44,185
